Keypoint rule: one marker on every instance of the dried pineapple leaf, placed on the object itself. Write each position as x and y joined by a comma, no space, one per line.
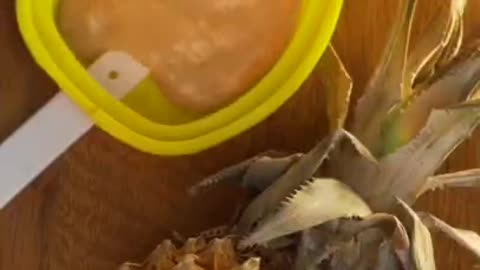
438,45
337,85
361,253
348,244
356,155
229,174
454,43
297,174
316,244
256,172
387,258
360,162
266,170
386,222
468,178
349,255
317,202
358,253
385,88
360,148
393,229
421,240
467,239
473,100
453,47
457,84
426,52
319,242
404,173
300,171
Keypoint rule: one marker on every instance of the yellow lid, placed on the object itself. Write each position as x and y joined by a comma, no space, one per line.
145,120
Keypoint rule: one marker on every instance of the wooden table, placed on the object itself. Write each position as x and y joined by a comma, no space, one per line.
103,203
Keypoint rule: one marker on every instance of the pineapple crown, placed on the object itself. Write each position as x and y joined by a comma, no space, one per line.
346,203
422,101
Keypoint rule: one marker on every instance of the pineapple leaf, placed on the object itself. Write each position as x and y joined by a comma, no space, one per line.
385,88
297,174
317,243
455,37
386,222
404,173
362,252
360,148
266,170
458,84
467,239
387,258
473,100
392,227
338,87
439,44
353,254
261,169
317,202
421,240
468,178
230,174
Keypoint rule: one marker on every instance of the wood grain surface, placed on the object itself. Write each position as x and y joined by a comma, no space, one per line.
103,203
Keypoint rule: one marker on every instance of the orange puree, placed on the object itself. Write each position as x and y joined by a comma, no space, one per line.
203,53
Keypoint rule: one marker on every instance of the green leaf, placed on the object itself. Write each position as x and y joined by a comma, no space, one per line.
456,85
404,173
385,87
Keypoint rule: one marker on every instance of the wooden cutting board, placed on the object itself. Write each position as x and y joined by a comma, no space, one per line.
103,203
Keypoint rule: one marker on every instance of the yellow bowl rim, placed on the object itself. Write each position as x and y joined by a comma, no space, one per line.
184,145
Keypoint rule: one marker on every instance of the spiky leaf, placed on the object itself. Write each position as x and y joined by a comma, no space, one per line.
297,174
317,202
466,179
259,168
337,84
457,85
404,173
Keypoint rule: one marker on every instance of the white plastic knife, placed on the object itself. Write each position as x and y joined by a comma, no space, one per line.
59,124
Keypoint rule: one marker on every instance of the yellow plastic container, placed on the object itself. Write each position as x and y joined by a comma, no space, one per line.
145,120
